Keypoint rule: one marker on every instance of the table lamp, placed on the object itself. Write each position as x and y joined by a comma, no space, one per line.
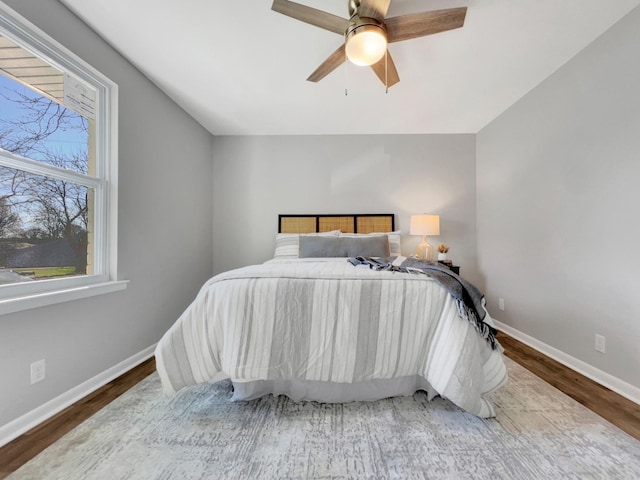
424,225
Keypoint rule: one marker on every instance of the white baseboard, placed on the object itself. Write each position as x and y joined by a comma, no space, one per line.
35,417
605,379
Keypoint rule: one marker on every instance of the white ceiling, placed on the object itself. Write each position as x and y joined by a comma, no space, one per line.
239,68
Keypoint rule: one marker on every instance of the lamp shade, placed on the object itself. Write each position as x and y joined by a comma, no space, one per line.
424,225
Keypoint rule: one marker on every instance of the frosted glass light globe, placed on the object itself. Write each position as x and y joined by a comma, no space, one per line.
366,45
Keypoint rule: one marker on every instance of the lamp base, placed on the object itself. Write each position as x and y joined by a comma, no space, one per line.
424,251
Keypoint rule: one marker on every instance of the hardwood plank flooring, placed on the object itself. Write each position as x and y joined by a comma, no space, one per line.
616,409
18,452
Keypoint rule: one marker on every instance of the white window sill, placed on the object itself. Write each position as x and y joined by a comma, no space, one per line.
25,302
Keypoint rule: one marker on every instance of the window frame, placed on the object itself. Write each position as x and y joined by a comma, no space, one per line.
21,296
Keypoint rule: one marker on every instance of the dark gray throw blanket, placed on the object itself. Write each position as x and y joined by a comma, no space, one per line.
468,297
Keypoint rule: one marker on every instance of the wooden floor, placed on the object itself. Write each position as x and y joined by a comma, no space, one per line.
623,413
24,448
616,409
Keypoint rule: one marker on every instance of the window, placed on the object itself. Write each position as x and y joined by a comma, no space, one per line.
57,171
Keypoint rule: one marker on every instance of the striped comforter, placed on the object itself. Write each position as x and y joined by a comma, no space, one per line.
328,321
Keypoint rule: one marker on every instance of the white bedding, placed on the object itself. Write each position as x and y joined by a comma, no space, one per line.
328,331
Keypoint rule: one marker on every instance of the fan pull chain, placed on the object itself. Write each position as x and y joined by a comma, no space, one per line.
346,78
386,70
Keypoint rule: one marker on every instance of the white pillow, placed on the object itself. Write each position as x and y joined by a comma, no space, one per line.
288,244
395,247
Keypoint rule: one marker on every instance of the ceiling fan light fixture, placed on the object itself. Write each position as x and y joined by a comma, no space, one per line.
366,42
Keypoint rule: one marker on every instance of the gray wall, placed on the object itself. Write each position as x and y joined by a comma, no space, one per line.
164,244
258,177
558,227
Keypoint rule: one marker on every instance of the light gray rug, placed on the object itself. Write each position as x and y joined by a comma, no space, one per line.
539,433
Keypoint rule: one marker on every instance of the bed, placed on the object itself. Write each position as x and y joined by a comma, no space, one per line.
320,328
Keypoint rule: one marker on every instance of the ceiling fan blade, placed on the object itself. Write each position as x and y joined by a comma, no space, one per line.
336,59
374,8
388,74
315,17
416,25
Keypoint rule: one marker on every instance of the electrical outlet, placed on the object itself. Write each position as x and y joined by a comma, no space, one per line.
501,304
37,371
600,343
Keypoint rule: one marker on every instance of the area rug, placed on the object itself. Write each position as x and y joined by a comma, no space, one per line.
539,433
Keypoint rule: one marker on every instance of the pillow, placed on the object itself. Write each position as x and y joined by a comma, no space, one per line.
395,248
287,244
367,246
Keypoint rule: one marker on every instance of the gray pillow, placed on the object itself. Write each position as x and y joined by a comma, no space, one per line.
369,246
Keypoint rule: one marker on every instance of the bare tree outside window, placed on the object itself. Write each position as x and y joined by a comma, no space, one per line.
44,221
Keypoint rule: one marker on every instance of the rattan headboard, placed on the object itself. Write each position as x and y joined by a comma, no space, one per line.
356,223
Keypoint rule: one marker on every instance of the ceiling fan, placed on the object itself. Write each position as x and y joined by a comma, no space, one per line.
367,32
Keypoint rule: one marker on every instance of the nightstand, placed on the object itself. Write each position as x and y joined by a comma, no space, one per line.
454,268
